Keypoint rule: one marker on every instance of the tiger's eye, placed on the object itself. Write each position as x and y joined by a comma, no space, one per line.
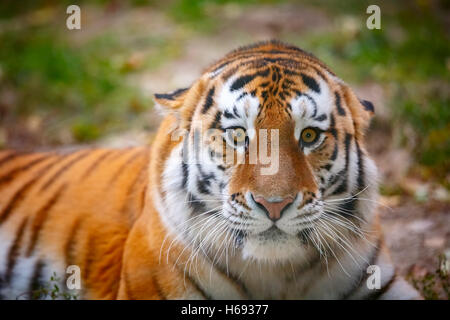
238,135
309,135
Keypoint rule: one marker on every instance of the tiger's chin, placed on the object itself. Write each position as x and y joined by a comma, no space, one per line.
274,246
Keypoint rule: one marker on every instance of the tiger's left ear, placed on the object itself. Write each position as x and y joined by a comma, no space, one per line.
362,112
368,106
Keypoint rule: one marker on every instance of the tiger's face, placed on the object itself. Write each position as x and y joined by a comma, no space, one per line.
272,160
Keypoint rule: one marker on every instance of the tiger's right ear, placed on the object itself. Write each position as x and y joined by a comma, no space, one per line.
181,98
173,100
181,102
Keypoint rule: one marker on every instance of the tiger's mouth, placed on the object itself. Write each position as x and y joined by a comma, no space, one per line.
272,245
271,233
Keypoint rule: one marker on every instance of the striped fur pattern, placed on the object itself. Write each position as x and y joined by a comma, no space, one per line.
58,210
182,222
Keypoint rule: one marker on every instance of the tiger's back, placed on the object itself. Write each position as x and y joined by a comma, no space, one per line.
58,210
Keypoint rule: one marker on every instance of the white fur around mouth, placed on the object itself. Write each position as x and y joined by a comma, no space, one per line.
273,245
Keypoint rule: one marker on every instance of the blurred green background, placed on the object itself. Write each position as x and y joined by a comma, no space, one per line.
62,87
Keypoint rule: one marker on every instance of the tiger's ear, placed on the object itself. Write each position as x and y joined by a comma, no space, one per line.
368,106
362,115
173,100
362,112
181,102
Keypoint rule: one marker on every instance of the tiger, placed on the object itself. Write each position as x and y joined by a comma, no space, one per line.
192,215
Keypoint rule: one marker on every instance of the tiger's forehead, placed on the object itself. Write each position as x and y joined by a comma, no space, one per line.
302,95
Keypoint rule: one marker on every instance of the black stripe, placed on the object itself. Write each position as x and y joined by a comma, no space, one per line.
35,282
333,132
40,217
344,185
121,169
61,170
131,190
348,208
5,153
228,115
220,66
335,152
239,83
195,204
310,83
10,174
170,96
184,168
361,183
70,244
89,257
20,193
341,110
209,100
216,122
335,177
204,182
9,157
235,111
202,186
367,105
242,81
14,251
96,163
332,121
322,117
184,164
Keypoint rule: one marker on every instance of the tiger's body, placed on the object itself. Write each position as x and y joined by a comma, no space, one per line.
156,224
77,193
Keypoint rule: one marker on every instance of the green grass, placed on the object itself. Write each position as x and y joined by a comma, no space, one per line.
62,82
82,89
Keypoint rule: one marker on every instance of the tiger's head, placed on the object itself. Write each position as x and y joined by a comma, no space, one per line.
268,158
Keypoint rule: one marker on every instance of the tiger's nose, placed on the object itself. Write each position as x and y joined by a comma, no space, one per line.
274,209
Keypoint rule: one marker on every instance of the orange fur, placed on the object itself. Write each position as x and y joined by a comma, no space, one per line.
96,208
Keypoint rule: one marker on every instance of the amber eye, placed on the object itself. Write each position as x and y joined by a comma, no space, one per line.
309,136
236,136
